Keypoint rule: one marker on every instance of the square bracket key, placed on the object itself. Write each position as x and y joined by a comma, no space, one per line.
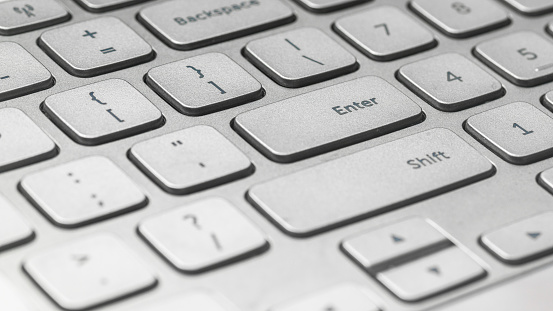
95,47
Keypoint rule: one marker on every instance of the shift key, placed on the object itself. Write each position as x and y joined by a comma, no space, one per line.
370,182
327,119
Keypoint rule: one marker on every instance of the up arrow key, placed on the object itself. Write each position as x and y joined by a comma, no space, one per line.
397,239
534,235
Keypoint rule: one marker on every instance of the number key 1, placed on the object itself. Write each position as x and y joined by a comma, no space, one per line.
524,58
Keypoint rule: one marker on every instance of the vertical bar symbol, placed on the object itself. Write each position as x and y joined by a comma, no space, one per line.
108,50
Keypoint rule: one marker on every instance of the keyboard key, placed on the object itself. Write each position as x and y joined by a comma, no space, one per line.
403,239
21,141
461,18
20,72
88,272
11,298
95,47
546,180
203,235
523,240
99,6
341,115
187,25
524,58
518,132
532,7
342,297
385,33
431,275
323,6
13,229
214,82
450,82
82,191
19,16
190,160
300,57
414,168
195,300
102,112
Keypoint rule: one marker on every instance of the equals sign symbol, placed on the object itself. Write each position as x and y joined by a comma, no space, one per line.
108,50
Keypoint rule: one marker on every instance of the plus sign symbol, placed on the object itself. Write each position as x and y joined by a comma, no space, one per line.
90,34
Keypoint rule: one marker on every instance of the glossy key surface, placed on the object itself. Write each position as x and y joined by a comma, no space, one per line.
101,112
531,7
385,33
89,271
323,6
19,16
213,82
14,229
98,6
416,167
95,46
20,72
83,191
300,57
327,119
187,25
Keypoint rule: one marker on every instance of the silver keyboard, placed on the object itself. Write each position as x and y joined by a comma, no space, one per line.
276,155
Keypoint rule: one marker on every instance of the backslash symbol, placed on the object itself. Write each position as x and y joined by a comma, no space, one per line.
108,50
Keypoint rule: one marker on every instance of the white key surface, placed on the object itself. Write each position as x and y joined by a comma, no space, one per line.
191,160
19,16
202,235
89,271
13,228
22,142
82,191
197,300
98,6
12,298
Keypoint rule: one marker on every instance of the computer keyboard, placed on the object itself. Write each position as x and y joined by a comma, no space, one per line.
276,155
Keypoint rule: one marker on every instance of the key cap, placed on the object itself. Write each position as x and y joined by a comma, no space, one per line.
11,298
82,191
203,235
300,57
20,72
214,82
521,241
195,300
518,132
341,115
342,297
13,229
531,7
324,6
385,33
193,24
431,275
88,272
98,6
527,292
407,238
546,180
450,82
21,141
379,179
524,58
190,160
461,18
19,16
102,112
95,47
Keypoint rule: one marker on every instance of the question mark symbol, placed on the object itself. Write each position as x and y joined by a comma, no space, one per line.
194,221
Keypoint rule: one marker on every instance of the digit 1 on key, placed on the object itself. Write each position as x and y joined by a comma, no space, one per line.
525,132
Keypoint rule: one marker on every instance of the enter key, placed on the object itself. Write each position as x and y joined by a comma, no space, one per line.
327,119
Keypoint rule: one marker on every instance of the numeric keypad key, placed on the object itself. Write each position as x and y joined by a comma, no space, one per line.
517,132
450,82
461,18
95,47
524,58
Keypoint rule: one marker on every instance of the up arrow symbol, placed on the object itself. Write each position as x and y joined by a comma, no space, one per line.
534,235
397,239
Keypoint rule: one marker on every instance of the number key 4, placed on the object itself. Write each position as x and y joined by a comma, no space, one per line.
524,58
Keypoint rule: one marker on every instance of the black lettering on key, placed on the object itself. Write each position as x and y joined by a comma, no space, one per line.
524,132
108,50
215,85
113,115
383,25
